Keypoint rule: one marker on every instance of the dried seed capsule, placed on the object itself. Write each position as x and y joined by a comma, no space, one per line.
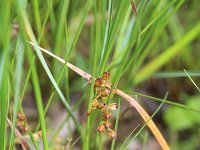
95,103
113,106
106,75
98,82
101,128
114,91
112,134
101,105
107,124
105,92
106,115
20,116
25,128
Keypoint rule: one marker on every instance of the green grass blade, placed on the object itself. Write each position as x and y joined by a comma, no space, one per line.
3,100
128,137
94,70
147,121
175,74
117,22
33,140
107,32
38,97
192,80
166,101
24,23
37,16
61,22
18,77
116,125
168,54
4,67
39,54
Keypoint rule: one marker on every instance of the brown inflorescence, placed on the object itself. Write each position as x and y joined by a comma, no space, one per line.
102,90
21,124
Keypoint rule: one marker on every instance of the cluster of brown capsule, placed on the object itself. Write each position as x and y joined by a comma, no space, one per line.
102,91
21,125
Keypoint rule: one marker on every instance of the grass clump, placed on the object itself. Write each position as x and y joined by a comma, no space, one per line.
142,46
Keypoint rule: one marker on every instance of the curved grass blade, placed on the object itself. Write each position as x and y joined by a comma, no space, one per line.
128,137
148,121
146,118
128,98
166,101
168,54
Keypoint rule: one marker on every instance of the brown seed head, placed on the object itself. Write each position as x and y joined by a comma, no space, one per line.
113,106
105,92
101,128
101,105
98,82
95,103
20,116
106,75
112,134
107,124
106,115
25,128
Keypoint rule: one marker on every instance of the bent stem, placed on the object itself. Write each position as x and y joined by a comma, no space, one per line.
128,98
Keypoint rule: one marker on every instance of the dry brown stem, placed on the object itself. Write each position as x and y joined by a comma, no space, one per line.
128,98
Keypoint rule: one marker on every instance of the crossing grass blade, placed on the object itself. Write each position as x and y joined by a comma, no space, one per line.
124,146
128,98
192,80
166,101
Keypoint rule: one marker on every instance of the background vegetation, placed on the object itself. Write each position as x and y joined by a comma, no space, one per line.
145,46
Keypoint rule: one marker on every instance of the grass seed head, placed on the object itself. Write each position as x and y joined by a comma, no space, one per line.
101,128
107,124
106,75
112,134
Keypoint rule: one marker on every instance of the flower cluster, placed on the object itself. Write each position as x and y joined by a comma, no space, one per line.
21,123
102,90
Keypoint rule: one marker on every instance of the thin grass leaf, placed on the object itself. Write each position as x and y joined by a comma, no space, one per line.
18,77
38,97
175,74
37,15
146,118
164,148
166,101
47,13
41,58
192,80
116,125
151,36
4,97
33,140
94,70
23,143
55,134
5,9
117,22
106,33
168,54
128,137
